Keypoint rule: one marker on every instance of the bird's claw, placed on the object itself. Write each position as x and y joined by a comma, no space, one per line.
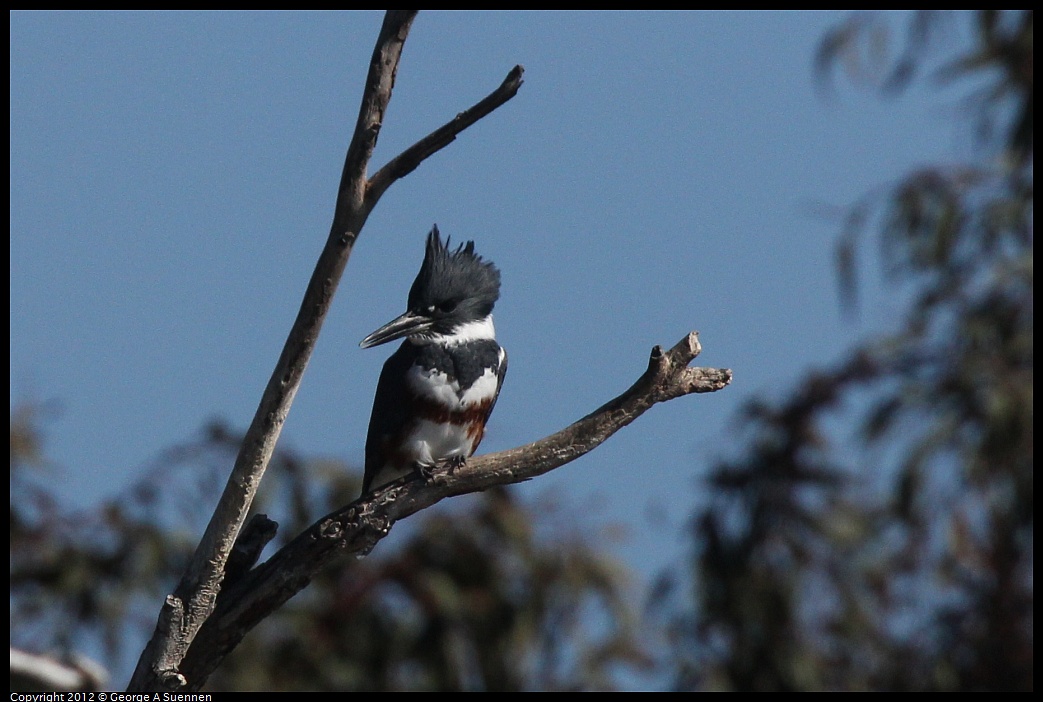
435,473
454,462
426,472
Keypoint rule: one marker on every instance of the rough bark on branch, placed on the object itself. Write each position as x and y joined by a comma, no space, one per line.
356,528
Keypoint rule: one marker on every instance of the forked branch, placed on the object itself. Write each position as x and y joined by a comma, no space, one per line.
184,612
196,630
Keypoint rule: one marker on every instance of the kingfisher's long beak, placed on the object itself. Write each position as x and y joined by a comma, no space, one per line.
405,325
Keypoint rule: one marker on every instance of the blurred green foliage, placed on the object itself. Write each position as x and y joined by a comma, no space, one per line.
875,530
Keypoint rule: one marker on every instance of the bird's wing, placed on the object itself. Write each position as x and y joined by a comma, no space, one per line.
499,379
389,413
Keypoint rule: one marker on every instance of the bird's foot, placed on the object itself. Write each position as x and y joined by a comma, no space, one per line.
455,462
438,471
425,471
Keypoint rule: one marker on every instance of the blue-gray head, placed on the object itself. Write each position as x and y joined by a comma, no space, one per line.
453,288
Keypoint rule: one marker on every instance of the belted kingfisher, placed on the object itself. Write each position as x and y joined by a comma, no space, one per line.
437,390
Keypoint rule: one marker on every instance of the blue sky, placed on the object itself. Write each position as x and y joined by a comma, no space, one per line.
173,178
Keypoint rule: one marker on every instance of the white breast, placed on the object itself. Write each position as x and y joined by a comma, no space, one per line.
431,442
435,385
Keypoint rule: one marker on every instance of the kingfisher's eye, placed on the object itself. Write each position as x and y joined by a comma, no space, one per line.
447,305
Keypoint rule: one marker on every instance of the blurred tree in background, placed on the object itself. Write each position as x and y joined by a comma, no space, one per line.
472,599
875,530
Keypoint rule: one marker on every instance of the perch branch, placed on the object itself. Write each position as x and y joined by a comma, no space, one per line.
355,529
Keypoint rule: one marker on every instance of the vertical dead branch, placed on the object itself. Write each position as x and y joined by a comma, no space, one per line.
185,611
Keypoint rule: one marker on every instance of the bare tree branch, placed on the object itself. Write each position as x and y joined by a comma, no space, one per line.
196,630
355,529
406,162
185,611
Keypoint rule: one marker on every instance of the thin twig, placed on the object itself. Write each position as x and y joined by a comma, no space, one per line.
407,161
